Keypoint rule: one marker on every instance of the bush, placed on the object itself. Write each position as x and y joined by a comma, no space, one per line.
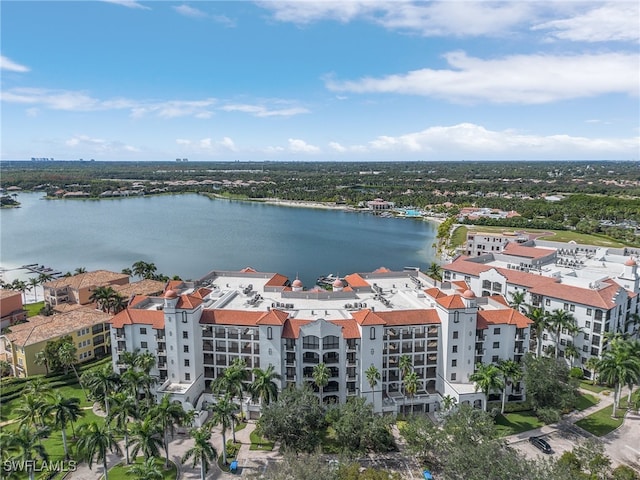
624,472
232,449
576,372
548,415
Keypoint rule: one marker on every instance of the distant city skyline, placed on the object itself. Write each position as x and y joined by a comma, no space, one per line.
320,81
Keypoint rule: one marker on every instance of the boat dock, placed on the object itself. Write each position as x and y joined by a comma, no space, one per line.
41,269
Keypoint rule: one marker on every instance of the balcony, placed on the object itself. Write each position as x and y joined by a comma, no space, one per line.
432,332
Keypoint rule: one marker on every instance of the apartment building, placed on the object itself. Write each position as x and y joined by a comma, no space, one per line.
11,308
77,289
598,286
88,328
480,243
197,329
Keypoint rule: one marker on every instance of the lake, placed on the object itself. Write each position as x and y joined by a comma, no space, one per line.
190,235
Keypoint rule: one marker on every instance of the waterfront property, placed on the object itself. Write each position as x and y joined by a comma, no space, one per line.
385,321
597,286
77,289
87,327
11,308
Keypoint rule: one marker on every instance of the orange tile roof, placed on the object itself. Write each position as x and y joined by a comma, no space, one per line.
277,281
435,292
462,265
355,280
201,292
499,299
508,316
248,270
367,317
143,287
518,250
189,302
130,316
349,328
291,327
96,278
451,301
381,270
602,298
174,285
410,317
4,293
273,317
230,317
461,284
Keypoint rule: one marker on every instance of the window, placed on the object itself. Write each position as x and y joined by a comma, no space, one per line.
547,302
454,363
495,359
143,345
269,333
572,308
453,377
586,336
454,349
186,349
310,341
187,377
563,342
589,312
455,334
185,334
496,331
186,362
585,348
587,324
496,344
143,331
372,333
565,306
330,342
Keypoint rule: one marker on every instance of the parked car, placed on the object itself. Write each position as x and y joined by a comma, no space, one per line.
541,444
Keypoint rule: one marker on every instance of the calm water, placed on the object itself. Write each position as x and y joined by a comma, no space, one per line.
190,235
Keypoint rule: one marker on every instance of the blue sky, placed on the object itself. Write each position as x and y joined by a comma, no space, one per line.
312,81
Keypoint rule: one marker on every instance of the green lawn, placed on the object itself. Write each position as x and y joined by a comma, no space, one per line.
260,443
119,472
593,388
600,423
557,235
518,422
33,309
585,401
459,236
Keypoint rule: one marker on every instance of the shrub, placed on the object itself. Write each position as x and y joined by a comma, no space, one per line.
576,372
548,415
232,449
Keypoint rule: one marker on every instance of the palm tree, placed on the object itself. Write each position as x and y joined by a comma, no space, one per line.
373,377
167,414
44,277
65,411
146,437
592,364
102,296
130,359
435,271
264,388
95,442
321,374
145,361
559,320
571,352
143,269
618,367
127,271
202,451
540,320
517,300
411,383
223,414
68,357
30,411
27,447
40,358
124,409
405,365
101,383
147,470
511,371
79,270
33,283
21,287
633,347
448,402
487,378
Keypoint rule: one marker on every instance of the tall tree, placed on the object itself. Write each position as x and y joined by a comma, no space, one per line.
34,283
435,271
40,358
94,443
146,437
517,301
30,412
617,367
101,383
560,320
167,414
233,383
411,383
511,372
405,364
124,410
540,320
487,377
223,414
147,470
373,377
27,447
264,388
592,364
65,411
321,374
202,451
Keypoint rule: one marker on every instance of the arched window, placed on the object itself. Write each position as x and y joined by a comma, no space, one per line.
269,333
330,341
372,333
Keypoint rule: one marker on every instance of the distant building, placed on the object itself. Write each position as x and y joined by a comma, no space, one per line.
78,288
11,308
379,204
479,243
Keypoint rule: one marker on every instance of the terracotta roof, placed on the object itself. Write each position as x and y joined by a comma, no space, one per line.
249,270
174,285
451,301
508,316
500,299
602,298
67,307
349,328
97,278
277,281
273,317
291,327
367,317
201,292
463,265
243,317
381,270
355,280
130,316
40,328
143,287
409,317
461,284
528,252
9,293
435,292
188,302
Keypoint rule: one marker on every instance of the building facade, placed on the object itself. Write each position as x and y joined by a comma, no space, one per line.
197,329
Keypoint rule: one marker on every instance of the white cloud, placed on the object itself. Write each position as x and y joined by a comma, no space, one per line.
207,145
300,146
128,4
11,66
262,111
188,11
89,145
615,21
425,18
176,108
523,79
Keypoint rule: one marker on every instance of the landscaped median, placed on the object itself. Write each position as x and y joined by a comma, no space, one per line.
600,423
